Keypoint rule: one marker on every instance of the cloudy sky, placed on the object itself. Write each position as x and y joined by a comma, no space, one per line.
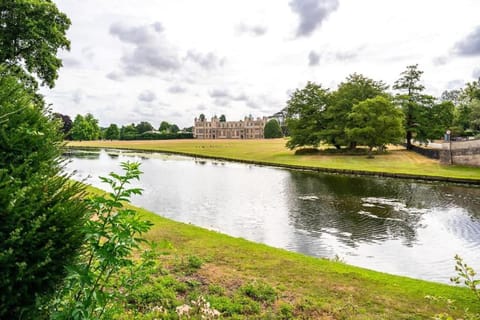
152,60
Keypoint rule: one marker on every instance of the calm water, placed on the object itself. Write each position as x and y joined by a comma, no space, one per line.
402,227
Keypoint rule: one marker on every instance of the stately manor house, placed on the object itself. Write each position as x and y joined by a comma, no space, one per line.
248,128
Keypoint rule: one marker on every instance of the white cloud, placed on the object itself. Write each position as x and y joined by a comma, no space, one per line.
247,58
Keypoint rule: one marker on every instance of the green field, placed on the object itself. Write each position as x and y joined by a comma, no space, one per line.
282,284
273,151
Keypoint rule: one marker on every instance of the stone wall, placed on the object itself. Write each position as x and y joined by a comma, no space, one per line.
461,152
427,152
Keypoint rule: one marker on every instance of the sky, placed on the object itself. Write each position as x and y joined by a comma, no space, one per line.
171,60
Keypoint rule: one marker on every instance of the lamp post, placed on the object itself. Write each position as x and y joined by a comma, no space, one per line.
449,138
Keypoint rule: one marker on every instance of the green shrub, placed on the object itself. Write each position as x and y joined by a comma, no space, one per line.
272,130
112,231
42,215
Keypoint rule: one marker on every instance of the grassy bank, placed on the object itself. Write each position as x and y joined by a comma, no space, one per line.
397,161
245,280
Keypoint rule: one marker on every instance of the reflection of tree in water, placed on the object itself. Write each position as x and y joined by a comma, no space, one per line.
78,154
461,196
359,208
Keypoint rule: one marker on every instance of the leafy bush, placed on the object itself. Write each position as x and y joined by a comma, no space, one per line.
112,233
42,215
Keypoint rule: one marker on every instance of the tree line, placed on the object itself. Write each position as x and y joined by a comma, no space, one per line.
362,112
86,127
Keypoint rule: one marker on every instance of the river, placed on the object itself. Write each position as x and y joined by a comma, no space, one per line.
403,227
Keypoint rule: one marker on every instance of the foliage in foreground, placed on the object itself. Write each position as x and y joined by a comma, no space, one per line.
466,275
105,272
41,214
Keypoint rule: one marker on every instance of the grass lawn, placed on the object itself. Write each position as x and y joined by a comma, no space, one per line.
273,151
245,280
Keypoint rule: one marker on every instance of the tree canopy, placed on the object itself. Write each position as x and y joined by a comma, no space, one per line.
31,33
85,128
354,89
414,104
375,123
272,129
143,126
112,132
305,115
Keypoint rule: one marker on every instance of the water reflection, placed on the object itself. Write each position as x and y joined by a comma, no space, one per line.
398,226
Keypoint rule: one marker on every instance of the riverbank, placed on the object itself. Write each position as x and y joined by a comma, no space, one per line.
398,162
245,280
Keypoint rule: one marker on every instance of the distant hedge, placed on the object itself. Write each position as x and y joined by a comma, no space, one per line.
159,136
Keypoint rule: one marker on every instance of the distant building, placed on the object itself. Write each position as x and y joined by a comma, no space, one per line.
249,128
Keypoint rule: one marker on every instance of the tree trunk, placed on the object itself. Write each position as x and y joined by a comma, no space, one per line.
370,154
352,145
409,140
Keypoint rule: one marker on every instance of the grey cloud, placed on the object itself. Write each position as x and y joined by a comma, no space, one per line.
312,13
440,61
77,97
345,55
221,102
201,107
255,30
135,35
207,61
71,62
147,96
223,97
219,93
476,73
225,94
88,53
149,59
253,105
455,84
115,76
175,114
177,89
470,45
313,58
151,53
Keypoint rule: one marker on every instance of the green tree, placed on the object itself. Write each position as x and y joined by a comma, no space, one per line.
272,129
66,123
472,90
112,132
143,126
174,128
441,117
223,118
305,115
375,123
31,33
42,214
128,132
414,103
85,128
474,122
164,126
354,89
